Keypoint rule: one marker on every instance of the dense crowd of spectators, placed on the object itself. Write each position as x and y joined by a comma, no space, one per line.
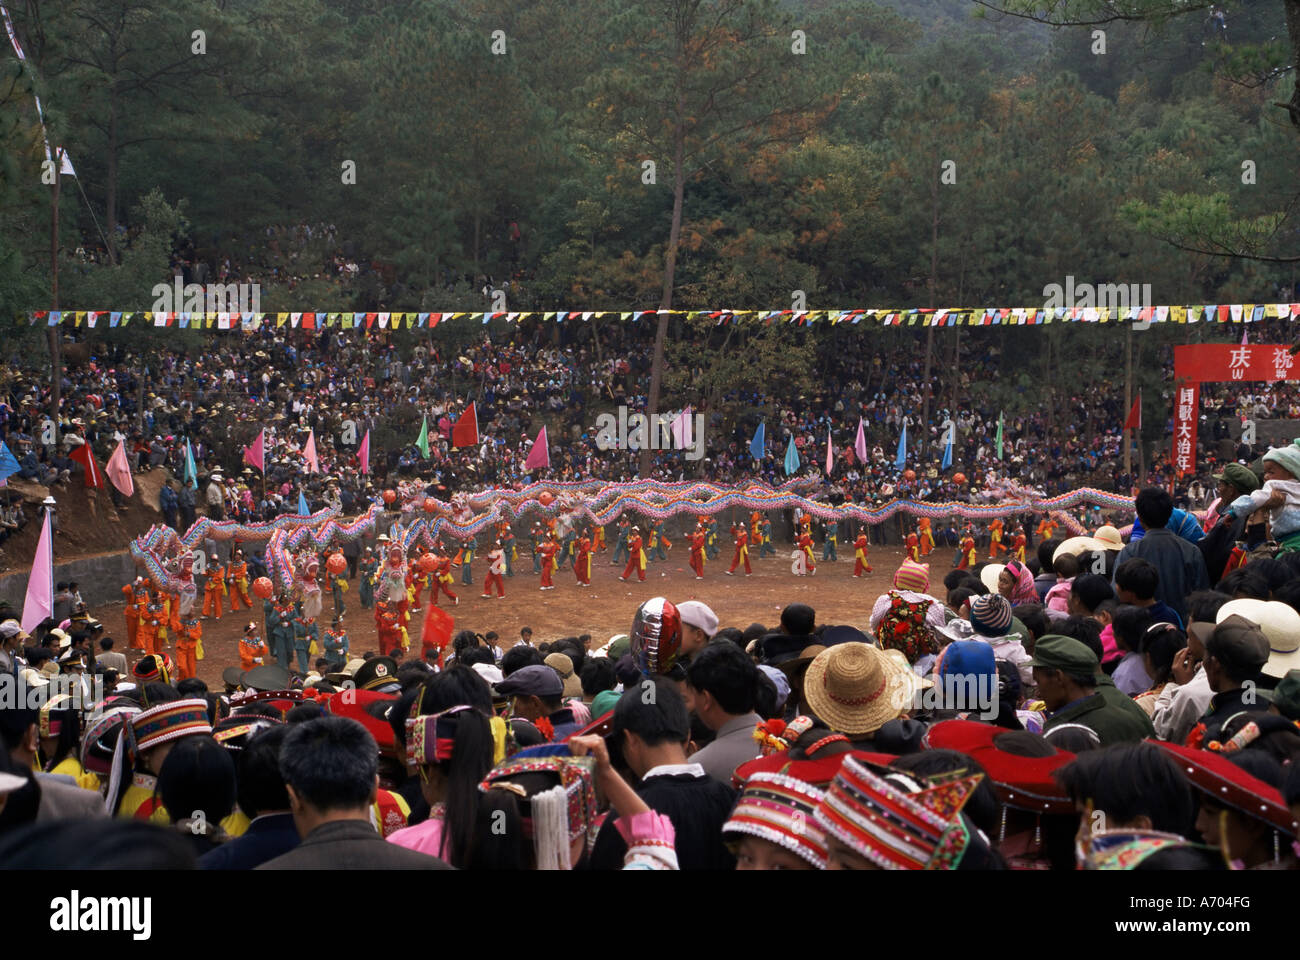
291,382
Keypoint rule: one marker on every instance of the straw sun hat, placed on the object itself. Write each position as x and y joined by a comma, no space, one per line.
855,688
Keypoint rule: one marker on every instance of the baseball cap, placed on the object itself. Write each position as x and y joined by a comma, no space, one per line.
1286,695
1241,477
698,615
1054,652
536,680
1238,643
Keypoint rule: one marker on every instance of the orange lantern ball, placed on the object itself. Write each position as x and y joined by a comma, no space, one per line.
262,588
336,564
546,499
428,562
959,478
390,496
909,474
430,505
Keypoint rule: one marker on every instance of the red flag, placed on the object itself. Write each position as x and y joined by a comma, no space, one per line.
436,633
86,457
465,432
1134,421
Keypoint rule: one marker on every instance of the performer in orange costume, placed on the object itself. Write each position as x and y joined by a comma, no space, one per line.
860,565
806,545
636,556
214,589
237,578
913,547
968,553
137,598
187,642
253,651
548,550
742,551
926,536
996,546
582,564
697,538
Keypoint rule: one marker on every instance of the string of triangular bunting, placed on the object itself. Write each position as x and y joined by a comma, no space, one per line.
885,317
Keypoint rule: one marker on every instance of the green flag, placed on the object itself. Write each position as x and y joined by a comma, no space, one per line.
999,434
423,440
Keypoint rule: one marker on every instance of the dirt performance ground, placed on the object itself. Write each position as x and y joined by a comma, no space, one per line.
604,609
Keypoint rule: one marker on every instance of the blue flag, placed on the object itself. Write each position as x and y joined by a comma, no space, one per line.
947,452
791,458
900,461
756,445
302,505
191,473
8,463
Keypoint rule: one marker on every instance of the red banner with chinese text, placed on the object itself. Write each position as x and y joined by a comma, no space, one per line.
1199,363
1187,404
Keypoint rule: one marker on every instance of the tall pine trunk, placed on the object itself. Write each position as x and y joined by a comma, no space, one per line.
670,269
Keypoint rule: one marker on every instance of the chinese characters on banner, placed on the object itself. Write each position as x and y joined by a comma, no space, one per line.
1217,363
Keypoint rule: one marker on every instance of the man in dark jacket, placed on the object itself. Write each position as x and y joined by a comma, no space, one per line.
1066,674
1179,564
265,801
331,773
652,726
1216,547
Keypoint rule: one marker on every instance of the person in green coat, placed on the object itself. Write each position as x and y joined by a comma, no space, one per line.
467,555
1074,690
279,627
366,573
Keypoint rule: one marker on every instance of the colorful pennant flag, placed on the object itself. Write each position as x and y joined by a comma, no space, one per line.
255,455
309,453
465,432
119,470
363,454
758,444
830,459
681,429
900,459
39,603
860,444
436,633
302,505
422,441
191,471
999,439
83,455
1134,421
791,458
8,463
540,454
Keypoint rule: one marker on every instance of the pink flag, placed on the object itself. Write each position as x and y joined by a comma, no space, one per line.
119,471
540,454
1243,335
40,583
830,458
255,456
681,429
860,445
363,453
309,453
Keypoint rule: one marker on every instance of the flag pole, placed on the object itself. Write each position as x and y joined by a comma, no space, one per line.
1128,396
